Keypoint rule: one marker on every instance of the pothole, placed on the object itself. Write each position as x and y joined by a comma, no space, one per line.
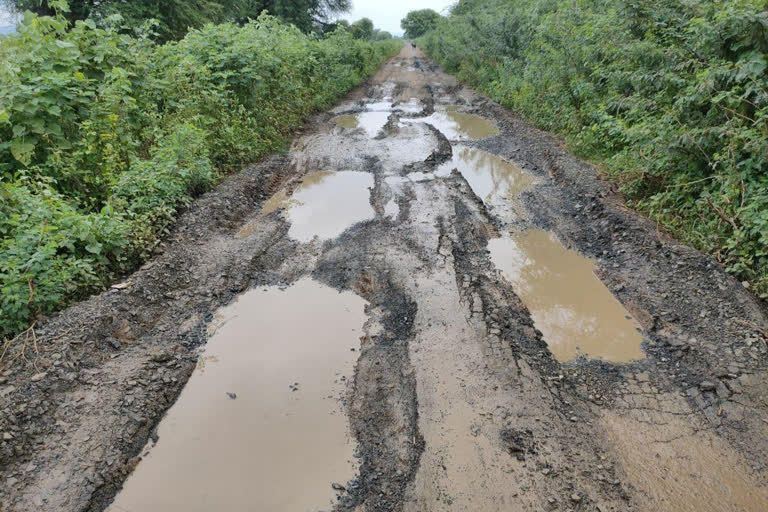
456,125
491,177
370,122
324,205
572,308
260,426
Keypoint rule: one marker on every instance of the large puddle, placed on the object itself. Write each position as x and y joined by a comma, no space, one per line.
574,311
259,427
491,177
370,122
457,125
324,204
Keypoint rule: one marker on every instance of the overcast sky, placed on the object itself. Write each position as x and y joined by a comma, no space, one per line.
386,14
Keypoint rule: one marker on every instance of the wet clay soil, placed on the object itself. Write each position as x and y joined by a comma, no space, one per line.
522,341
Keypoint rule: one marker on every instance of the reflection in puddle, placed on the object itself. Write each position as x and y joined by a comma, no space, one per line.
371,122
391,209
325,204
457,125
412,106
491,177
384,105
568,303
239,437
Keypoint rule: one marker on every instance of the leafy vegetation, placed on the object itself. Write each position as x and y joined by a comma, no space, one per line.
670,95
175,17
104,136
417,23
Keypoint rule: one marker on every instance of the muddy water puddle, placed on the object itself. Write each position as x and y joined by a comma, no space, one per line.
491,177
575,312
370,122
456,125
323,205
261,426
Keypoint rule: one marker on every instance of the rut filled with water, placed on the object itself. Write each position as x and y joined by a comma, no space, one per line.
260,425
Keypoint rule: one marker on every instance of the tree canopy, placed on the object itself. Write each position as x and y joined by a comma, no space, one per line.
177,16
418,23
362,29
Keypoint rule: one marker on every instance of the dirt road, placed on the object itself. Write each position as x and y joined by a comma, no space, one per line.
426,305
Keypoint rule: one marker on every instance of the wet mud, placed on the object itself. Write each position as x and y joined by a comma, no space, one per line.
424,305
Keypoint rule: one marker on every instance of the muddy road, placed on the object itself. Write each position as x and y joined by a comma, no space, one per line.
425,305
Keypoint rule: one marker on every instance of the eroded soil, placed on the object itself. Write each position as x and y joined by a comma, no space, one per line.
527,343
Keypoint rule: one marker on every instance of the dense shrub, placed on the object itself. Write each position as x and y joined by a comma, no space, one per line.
670,95
105,135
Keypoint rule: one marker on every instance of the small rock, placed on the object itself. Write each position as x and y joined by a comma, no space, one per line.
7,436
38,377
575,498
161,357
338,487
545,471
231,396
707,385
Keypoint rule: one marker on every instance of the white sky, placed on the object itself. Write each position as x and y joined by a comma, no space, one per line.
5,17
386,14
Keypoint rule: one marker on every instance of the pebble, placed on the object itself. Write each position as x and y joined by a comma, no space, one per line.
575,498
706,385
38,377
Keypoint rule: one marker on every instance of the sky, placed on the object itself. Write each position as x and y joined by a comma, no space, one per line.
386,14
5,17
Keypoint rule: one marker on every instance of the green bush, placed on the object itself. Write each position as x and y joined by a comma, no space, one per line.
671,97
104,136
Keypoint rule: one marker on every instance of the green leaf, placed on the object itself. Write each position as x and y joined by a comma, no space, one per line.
22,150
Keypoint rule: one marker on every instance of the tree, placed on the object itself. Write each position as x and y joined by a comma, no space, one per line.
418,23
381,35
362,29
175,17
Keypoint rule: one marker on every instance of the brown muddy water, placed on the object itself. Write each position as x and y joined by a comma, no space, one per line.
491,177
576,313
324,205
370,122
260,425
457,125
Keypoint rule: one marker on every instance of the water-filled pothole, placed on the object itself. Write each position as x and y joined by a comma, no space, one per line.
370,122
325,204
491,177
261,427
457,125
575,312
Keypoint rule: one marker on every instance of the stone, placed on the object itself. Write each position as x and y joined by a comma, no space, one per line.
707,385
